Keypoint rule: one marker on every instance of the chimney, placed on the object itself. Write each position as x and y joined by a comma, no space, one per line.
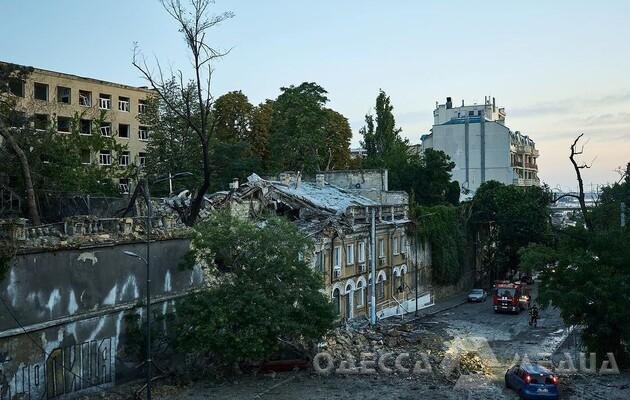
234,184
320,180
449,103
462,102
494,105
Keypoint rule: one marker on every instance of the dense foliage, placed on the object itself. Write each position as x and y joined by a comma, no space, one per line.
507,218
444,229
293,132
585,273
426,177
264,293
55,161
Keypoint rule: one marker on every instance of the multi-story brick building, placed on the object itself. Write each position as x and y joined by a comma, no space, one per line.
58,99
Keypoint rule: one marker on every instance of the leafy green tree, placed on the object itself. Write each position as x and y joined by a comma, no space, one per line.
427,177
173,147
337,138
508,218
264,294
584,271
585,275
298,126
261,131
233,117
444,228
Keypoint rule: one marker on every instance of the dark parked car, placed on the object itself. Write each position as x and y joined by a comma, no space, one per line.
532,381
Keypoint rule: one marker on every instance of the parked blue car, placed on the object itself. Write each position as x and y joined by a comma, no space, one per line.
532,381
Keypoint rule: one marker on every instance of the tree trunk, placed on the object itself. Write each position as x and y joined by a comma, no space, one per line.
26,174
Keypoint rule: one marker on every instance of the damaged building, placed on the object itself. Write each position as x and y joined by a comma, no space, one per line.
334,209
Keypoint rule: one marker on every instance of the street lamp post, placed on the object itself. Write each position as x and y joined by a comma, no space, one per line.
148,310
147,260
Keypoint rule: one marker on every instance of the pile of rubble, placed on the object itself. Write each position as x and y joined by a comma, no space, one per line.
414,337
410,337
472,363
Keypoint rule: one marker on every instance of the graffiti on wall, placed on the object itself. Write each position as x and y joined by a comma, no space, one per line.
63,371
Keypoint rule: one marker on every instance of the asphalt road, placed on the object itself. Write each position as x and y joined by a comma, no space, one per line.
508,336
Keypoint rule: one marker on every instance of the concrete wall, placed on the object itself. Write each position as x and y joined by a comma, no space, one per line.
451,139
70,306
358,179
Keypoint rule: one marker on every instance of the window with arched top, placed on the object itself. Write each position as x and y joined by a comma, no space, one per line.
380,287
359,295
336,302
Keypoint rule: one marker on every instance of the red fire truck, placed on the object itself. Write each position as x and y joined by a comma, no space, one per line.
506,297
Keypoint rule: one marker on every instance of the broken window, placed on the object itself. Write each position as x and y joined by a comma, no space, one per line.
63,124
63,94
106,129
380,287
85,98
349,254
319,261
105,101
85,127
359,294
40,121
105,157
86,157
142,106
40,91
16,87
361,252
123,130
123,185
124,158
143,133
123,104
142,158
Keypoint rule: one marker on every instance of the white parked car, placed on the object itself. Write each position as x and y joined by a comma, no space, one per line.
477,296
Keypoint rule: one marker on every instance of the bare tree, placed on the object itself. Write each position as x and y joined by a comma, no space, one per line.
196,107
8,101
578,166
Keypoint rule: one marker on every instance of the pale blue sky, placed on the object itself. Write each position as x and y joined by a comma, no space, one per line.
559,67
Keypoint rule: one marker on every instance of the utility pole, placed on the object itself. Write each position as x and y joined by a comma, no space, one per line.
147,197
373,266
623,214
415,261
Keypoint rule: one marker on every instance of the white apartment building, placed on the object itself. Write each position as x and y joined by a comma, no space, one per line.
483,148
